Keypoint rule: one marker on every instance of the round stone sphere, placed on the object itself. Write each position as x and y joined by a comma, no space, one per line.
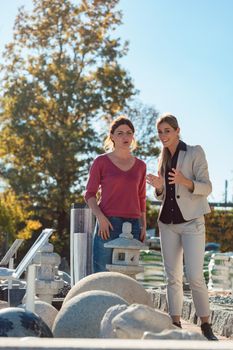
45,310
81,316
17,322
115,282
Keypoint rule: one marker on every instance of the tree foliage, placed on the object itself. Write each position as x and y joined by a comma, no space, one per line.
61,73
219,228
16,221
144,118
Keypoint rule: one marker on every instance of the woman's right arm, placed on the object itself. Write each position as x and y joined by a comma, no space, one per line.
104,223
92,188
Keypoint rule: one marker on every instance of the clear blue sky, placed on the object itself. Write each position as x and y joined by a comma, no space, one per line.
181,59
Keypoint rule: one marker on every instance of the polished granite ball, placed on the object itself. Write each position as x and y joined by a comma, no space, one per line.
17,322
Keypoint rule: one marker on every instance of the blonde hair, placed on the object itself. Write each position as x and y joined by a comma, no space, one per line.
165,155
121,120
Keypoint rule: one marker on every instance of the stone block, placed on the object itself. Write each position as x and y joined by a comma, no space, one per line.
137,319
155,295
186,310
222,321
106,329
193,315
163,302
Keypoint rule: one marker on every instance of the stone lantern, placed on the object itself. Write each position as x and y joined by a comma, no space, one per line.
47,282
126,251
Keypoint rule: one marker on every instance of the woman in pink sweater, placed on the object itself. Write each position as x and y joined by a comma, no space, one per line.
119,178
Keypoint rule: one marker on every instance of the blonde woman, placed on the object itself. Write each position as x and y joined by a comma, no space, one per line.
183,185
120,179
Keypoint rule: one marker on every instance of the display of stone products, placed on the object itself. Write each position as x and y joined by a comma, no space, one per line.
84,305
221,271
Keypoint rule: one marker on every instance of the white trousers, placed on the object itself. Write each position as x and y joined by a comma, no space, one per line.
185,240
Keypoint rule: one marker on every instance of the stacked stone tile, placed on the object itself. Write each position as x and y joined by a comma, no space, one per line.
153,274
221,271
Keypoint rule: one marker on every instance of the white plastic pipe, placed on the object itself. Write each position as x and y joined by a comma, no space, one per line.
81,220
11,266
30,291
80,256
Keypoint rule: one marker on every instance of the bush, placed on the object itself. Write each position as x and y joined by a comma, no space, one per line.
219,229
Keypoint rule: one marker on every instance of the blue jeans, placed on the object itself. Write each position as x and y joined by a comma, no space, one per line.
102,255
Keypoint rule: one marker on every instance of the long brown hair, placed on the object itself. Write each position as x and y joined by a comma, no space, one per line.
121,120
165,155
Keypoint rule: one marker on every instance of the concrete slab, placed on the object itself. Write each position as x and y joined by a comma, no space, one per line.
110,344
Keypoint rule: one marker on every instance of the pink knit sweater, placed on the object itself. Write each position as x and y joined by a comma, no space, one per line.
122,193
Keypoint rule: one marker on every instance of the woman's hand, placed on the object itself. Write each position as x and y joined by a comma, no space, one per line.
155,181
177,177
104,225
143,234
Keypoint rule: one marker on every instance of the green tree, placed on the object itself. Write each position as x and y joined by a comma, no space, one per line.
60,75
15,220
144,118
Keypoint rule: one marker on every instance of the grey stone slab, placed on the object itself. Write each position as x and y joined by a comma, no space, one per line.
163,302
193,315
186,311
156,299
222,321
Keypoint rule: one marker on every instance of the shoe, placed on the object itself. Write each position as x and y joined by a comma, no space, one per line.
207,331
177,324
